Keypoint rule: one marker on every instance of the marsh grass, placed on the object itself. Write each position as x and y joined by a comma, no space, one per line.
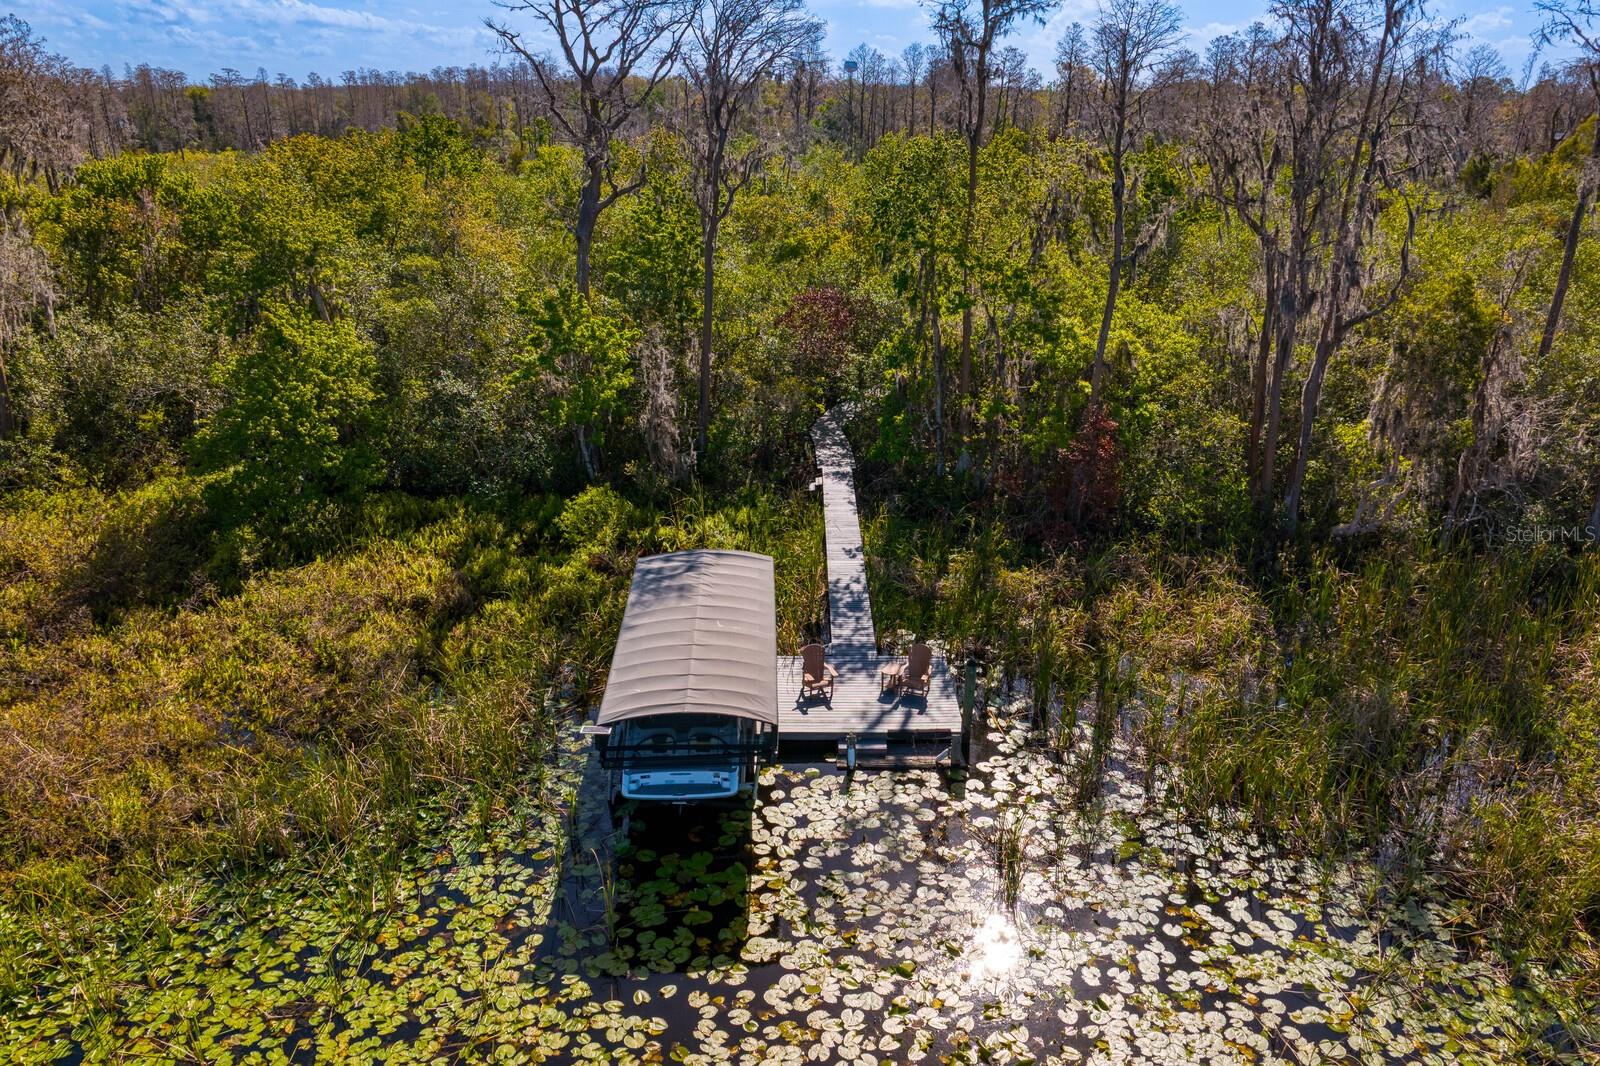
1440,710
425,659
1010,853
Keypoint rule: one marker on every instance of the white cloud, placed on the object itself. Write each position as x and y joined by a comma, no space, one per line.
301,13
1486,23
283,33
1200,36
201,36
1039,42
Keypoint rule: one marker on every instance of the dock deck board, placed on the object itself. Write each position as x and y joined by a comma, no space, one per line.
859,704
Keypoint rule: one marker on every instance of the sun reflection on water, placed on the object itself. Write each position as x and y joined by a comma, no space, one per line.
996,950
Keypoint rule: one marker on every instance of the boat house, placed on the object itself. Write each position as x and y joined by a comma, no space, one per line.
691,706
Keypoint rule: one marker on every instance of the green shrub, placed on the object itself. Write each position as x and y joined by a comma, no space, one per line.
298,428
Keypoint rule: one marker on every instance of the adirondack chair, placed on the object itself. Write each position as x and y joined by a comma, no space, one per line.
817,673
917,674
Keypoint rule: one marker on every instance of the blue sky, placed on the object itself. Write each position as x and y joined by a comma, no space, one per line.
296,37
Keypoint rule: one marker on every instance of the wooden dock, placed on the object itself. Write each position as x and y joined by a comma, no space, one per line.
850,629
860,707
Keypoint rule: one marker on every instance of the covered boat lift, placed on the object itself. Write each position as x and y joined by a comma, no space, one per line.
691,704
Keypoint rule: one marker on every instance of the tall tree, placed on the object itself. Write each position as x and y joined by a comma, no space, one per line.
970,31
1481,83
1129,39
1072,53
733,46
1305,83
913,59
803,76
1017,86
43,127
615,52
1376,48
1241,138
227,89
1574,22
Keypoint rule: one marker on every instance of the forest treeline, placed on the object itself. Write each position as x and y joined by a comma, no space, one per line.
1256,385
1338,251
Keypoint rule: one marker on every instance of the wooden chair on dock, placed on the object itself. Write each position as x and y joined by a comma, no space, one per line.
817,673
916,676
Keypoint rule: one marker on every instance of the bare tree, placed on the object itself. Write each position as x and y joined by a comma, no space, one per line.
1017,84
43,127
733,46
1548,112
1072,56
803,78
615,52
232,106
860,68
1129,39
1481,84
1373,51
113,113
1311,91
1241,136
269,124
889,72
913,59
970,30
1318,95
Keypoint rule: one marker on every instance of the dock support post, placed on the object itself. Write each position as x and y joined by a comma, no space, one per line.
969,690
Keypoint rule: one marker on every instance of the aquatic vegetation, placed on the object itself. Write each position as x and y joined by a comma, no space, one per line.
841,918
1437,709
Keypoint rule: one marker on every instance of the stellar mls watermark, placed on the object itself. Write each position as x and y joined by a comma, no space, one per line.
1537,534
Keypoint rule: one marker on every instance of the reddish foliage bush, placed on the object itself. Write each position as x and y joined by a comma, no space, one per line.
820,322
1070,490
1095,461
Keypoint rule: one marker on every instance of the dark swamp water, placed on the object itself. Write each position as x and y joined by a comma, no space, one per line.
872,917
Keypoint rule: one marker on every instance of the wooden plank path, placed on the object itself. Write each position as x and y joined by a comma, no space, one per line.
859,704
849,606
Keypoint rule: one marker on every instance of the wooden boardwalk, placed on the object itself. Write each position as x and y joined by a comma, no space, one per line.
850,629
859,704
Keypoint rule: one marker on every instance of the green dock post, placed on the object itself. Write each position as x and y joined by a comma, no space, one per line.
969,690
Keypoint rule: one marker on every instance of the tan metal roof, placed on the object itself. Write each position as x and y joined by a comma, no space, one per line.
699,636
